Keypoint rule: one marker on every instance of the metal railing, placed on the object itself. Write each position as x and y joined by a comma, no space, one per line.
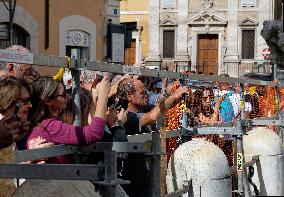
109,177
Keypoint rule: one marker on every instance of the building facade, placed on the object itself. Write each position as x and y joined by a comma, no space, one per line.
54,27
208,36
136,12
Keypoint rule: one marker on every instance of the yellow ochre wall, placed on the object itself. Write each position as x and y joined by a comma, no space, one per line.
138,6
92,9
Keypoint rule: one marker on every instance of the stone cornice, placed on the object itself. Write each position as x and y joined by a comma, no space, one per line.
168,22
248,22
206,17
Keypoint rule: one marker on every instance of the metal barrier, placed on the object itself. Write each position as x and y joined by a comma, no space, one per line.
90,172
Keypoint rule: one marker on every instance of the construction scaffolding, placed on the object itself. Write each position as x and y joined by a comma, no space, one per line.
152,148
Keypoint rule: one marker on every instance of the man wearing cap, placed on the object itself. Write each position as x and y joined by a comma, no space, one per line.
155,90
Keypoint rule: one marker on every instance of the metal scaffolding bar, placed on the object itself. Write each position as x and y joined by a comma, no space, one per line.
36,154
57,150
137,143
239,140
110,173
156,166
52,171
52,61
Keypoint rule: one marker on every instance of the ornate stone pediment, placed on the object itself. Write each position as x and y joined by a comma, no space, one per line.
248,22
168,22
207,18
207,3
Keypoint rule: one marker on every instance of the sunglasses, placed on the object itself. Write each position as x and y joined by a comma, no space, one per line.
59,95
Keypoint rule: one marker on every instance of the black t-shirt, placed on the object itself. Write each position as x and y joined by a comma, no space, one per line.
137,167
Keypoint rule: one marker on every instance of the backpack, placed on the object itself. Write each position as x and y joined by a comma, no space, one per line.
226,109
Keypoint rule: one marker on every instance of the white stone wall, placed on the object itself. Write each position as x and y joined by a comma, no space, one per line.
154,31
76,22
231,60
182,34
229,13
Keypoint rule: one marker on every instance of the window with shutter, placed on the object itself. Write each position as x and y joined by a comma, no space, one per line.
248,3
168,43
169,4
248,44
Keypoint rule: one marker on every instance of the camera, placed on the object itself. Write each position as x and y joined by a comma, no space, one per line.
116,103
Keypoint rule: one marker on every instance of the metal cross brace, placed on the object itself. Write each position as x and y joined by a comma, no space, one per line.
54,61
220,129
53,151
263,121
52,171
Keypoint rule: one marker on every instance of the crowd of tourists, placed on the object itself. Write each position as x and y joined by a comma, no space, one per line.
36,112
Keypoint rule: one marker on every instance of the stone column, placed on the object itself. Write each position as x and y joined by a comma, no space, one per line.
265,10
231,61
181,52
154,31
137,36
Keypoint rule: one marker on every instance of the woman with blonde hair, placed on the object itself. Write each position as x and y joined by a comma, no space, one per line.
14,106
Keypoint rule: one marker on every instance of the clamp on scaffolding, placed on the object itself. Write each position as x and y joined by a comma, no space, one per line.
91,172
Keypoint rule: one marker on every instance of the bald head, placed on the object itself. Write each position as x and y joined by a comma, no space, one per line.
125,87
19,70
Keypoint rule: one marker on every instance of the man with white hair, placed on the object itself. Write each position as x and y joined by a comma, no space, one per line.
19,70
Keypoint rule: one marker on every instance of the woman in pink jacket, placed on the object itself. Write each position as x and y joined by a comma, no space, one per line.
49,101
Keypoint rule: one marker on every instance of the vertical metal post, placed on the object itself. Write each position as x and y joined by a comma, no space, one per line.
75,53
184,108
184,118
110,159
156,167
277,127
76,105
282,15
240,159
275,72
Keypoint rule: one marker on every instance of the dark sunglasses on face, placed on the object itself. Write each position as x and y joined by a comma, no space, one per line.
59,95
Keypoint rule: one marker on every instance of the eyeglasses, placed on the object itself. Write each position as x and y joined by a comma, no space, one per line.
24,101
59,95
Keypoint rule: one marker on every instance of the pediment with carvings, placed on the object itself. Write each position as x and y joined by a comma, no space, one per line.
168,22
248,22
207,18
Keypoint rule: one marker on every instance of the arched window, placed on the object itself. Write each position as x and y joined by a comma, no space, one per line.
20,37
76,39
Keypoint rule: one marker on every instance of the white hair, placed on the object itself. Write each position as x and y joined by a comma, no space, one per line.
18,48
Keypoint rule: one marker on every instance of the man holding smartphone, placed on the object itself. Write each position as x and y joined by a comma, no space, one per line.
140,119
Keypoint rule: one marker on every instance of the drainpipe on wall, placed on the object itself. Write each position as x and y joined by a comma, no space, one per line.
46,24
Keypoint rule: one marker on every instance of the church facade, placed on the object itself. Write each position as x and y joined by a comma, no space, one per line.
209,36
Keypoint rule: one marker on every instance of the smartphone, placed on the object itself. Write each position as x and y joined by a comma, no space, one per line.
15,116
122,103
